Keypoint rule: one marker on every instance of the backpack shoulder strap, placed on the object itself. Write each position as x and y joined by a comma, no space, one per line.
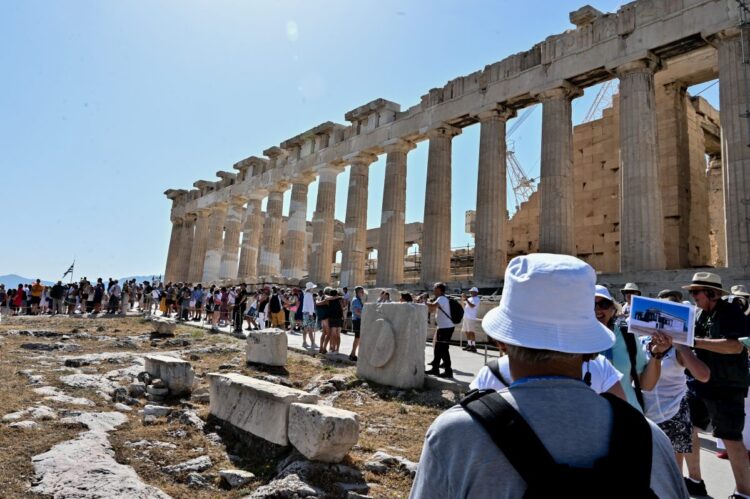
511,433
632,345
630,443
494,367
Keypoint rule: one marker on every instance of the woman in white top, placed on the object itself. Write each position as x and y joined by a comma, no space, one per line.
598,373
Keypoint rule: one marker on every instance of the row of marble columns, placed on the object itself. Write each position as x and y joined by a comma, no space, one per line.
197,251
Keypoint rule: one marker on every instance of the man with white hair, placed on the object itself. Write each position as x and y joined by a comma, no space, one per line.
548,434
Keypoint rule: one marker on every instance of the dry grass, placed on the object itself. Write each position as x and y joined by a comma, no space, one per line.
391,420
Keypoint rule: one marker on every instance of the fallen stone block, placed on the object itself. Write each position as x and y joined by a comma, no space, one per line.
255,406
177,374
24,425
164,327
267,346
322,433
391,351
380,462
156,410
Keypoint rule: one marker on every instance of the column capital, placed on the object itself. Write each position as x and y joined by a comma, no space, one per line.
398,145
202,212
237,200
257,194
562,89
648,63
495,112
441,130
280,186
305,178
725,34
220,206
361,158
331,168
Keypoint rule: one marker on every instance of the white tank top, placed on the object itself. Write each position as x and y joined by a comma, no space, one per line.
663,402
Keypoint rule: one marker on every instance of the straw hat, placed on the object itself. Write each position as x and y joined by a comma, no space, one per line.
740,290
703,280
666,293
631,287
568,323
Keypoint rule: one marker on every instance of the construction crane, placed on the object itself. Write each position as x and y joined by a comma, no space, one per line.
523,186
602,100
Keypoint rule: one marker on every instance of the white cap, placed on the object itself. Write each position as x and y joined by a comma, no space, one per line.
567,324
474,290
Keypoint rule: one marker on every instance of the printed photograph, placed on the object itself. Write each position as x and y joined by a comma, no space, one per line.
649,316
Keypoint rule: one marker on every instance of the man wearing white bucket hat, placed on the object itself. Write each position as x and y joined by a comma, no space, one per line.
308,316
548,434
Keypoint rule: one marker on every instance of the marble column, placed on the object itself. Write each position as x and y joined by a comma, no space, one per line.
252,231
198,252
182,269
321,260
491,214
295,243
556,186
436,239
641,220
734,102
392,218
269,262
355,224
232,228
170,273
214,243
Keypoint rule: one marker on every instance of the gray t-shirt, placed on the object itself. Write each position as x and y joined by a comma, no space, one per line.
459,459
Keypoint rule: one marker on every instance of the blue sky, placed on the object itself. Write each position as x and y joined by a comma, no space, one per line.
106,104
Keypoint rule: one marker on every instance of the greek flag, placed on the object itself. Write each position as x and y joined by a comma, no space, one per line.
70,270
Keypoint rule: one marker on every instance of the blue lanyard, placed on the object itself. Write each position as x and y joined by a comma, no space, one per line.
540,378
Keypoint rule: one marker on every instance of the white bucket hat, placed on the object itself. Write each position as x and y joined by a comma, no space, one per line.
568,323
603,292
309,286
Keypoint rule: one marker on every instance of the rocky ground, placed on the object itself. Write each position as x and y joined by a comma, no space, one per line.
77,423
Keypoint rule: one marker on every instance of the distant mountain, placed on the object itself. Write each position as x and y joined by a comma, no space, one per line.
13,280
140,278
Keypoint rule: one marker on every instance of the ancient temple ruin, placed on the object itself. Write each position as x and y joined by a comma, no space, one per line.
661,181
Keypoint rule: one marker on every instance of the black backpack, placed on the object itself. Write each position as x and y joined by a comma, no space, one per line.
456,310
629,449
632,347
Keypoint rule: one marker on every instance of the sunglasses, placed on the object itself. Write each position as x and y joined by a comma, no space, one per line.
603,304
694,292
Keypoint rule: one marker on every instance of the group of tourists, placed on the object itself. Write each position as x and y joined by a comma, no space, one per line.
84,297
535,417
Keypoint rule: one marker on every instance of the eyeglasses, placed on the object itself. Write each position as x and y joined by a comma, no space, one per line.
603,304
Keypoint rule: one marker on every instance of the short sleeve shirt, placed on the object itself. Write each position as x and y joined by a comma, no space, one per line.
357,309
471,312
443,313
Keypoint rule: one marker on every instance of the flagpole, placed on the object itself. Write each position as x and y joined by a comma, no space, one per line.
72,270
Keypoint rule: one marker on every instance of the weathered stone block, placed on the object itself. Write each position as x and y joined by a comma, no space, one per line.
164,327
267,346
392,346
254,405
322,433
177,374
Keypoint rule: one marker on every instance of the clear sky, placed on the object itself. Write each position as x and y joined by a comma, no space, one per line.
106,104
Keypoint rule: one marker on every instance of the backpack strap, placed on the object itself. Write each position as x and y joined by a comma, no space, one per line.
630,445
632,347
511,433
494,367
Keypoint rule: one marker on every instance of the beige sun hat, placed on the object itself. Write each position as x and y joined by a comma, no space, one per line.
631,287
703,280
739,290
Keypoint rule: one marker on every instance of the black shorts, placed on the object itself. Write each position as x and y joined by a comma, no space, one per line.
725,413
35,300
335,322
356,327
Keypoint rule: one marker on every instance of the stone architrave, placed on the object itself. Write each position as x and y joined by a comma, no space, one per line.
170,273
321,261
489,250
254,405
641,220
252,232
355,225
735,135
232,226
322,433
214,243
182,267
295,242
269,262
391,351
198,253
436,239
177,374
392,218
267,346
556,185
